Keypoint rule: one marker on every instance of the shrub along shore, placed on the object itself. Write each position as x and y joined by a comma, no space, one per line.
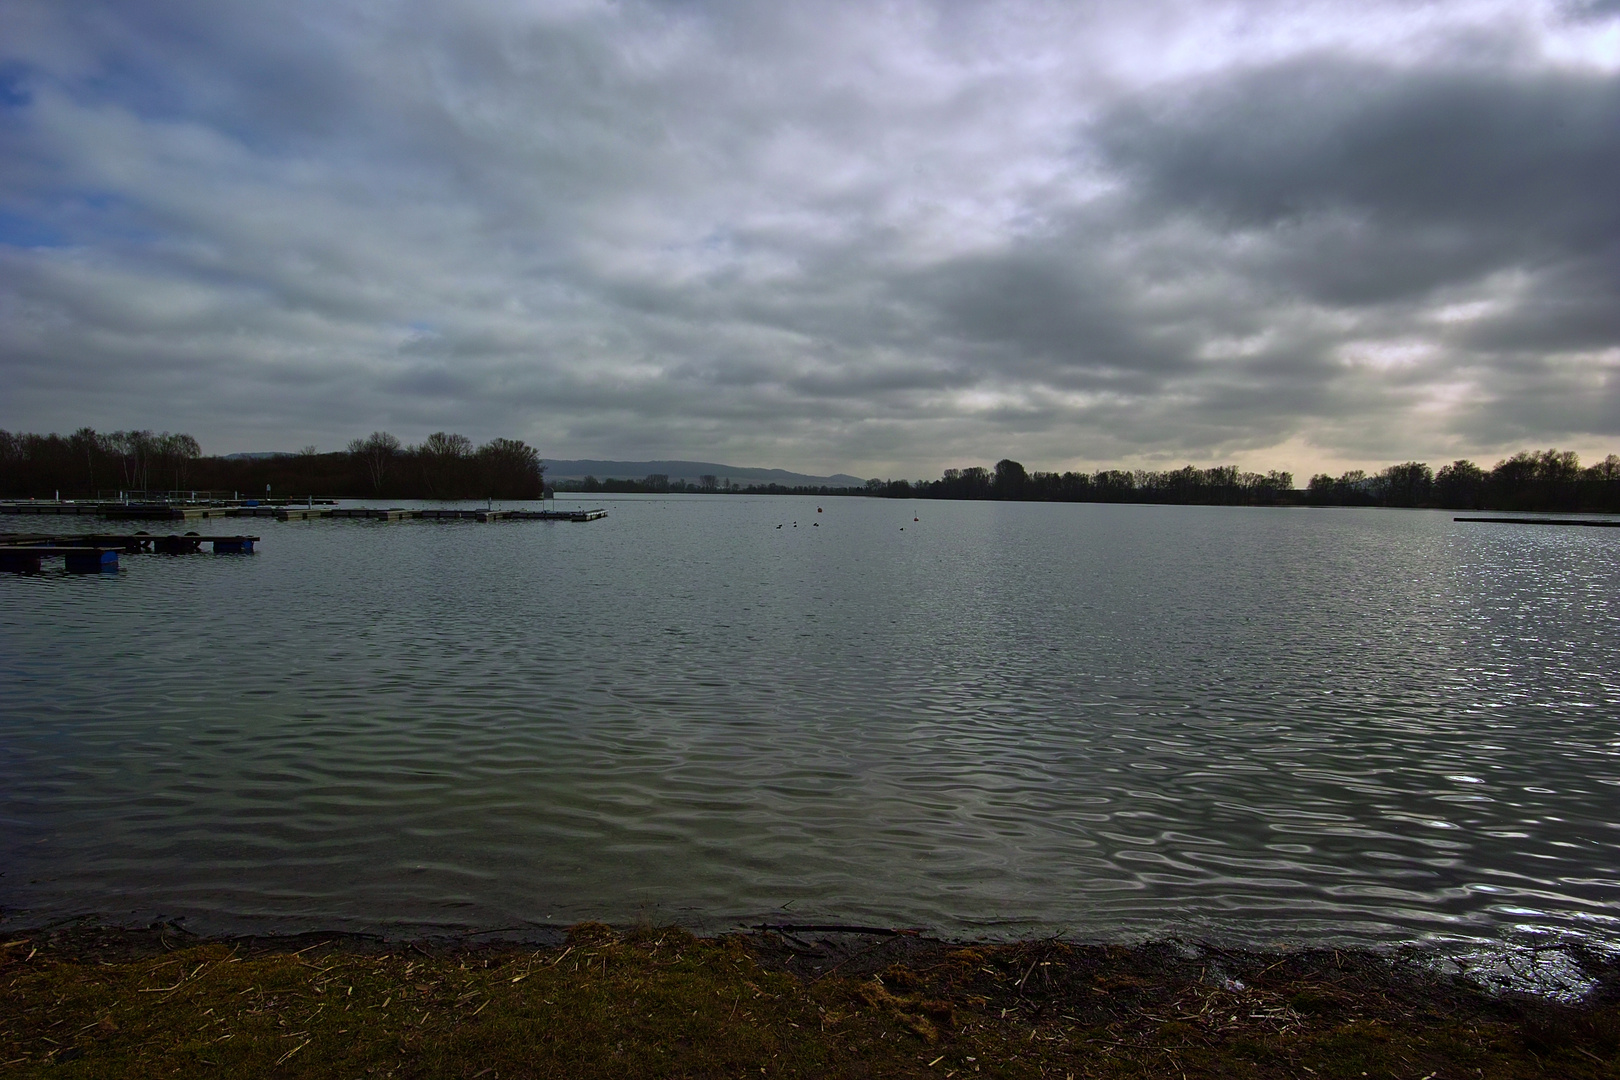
799,1002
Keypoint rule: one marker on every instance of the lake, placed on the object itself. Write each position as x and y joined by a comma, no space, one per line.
1257,725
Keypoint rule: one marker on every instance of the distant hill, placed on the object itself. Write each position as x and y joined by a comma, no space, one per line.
691,472
258,455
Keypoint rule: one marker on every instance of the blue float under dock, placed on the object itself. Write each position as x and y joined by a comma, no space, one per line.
98,552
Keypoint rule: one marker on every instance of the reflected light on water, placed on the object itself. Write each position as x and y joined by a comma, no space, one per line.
1004,719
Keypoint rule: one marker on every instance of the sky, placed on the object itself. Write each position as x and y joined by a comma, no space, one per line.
875,238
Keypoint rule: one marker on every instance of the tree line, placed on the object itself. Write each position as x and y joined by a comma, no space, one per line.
1529,480
92,464
88,463
661,484
1222,485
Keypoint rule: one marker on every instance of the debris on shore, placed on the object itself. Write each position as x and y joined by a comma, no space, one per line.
788,1001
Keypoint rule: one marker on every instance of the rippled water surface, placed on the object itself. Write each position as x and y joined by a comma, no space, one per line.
1002,718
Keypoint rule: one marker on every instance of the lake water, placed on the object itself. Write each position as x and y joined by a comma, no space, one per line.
1105,721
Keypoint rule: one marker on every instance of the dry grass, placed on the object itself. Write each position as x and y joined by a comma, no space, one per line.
662,1003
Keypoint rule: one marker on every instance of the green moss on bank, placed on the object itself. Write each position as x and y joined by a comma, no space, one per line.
662,1003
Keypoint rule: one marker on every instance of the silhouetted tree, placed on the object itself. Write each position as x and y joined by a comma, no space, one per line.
1460,485
1407,485
174,454
1011,481
1536,480
376,454
443,458
510,469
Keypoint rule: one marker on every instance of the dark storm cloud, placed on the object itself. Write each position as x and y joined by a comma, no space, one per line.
1387,194
1406,181
827,237
1527,152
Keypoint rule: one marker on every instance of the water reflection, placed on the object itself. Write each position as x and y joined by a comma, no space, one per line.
1005,718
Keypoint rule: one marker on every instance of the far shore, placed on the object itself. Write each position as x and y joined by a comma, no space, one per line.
802,1001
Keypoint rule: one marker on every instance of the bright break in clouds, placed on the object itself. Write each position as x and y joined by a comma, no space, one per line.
871,238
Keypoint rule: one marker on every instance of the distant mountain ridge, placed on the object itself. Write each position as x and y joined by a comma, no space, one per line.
691,472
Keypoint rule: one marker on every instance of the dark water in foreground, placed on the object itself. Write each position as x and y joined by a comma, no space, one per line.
1268,724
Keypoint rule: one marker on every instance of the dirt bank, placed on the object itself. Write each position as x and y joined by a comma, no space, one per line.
658,1002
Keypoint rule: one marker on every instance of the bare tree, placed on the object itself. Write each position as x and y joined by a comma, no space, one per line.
510,469
176,453
376,452
443,457
135,451
447,447
87,442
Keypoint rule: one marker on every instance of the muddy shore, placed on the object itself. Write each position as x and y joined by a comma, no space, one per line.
93,1001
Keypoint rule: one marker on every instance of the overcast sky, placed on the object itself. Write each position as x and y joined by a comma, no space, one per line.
875,238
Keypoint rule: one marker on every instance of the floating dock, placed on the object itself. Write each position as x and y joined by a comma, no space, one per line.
158,512
79,558
98,552
23,551
554,515
367,512
288,512
1591,523
507,515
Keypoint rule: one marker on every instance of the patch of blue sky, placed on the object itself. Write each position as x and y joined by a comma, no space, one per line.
14,93
265,123
23,231
97,217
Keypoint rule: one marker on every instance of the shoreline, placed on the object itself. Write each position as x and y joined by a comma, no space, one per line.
92,1000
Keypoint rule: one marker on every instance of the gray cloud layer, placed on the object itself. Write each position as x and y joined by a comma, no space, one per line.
878,239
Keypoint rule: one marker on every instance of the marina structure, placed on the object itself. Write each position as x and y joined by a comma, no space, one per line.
286,511
22,552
